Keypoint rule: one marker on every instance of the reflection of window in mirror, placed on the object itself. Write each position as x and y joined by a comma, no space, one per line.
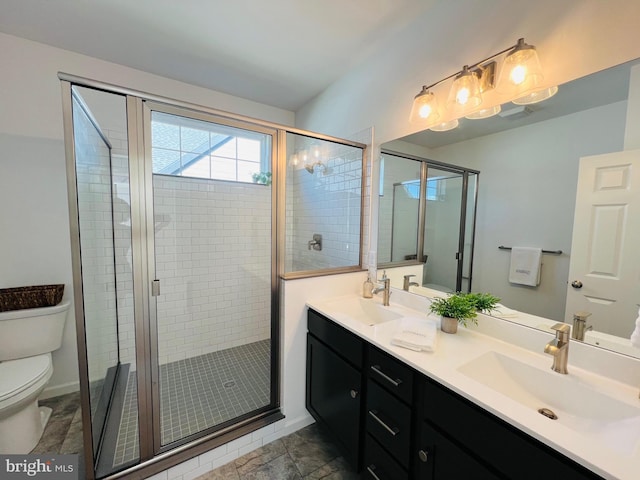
412,188
436,189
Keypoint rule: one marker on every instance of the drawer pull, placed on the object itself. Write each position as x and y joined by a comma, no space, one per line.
423,456
395,383
353,393
392,430
371,469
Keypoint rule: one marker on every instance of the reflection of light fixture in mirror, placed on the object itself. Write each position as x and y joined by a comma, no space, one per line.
425,107
465,92
520,78
537,96
484,113
294,160
445,126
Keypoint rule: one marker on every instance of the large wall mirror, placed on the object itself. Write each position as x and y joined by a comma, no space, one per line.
529,159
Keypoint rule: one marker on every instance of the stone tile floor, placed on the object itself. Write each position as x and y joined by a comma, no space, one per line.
63,433
306,454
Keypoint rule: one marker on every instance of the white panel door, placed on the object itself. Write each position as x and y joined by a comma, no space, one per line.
604,273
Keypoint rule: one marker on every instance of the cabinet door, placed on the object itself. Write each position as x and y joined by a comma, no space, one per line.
333,396
439,459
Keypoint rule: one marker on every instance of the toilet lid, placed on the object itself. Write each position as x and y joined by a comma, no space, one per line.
18,375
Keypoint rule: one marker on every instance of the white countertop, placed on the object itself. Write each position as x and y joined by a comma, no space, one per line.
452,351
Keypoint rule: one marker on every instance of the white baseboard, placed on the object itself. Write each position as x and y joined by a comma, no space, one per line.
57,390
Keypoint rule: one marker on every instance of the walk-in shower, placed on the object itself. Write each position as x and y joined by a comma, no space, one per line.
178,249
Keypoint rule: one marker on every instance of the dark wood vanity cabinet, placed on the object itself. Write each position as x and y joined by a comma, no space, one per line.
394,423
498,449
334,383
439,458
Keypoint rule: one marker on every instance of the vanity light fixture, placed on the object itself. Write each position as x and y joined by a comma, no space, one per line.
445,126
484,113
464,95
520,82
536,96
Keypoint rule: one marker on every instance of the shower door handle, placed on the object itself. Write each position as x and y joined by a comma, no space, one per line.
155,288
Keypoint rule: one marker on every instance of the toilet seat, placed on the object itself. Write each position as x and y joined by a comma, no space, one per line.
20,378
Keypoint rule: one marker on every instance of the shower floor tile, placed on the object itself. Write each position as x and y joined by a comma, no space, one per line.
198,393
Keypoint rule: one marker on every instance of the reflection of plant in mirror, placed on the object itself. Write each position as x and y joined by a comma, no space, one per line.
262,178
483,302
456,306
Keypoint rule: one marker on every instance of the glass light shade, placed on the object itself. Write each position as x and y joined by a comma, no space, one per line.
425,108
465,93
521,72
445,126
537,96
294,161
484,113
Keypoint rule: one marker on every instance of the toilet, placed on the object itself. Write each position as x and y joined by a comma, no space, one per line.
27,338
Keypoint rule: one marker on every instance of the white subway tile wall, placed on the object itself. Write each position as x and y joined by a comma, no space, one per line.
96,242
326,201
213,258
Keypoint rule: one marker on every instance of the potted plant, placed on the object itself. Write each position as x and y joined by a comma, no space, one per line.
483,302
454,309
262,178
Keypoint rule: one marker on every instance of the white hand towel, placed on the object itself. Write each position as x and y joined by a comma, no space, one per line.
416,334
525,266
635,335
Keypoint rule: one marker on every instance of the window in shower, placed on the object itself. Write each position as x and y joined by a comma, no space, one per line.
188,147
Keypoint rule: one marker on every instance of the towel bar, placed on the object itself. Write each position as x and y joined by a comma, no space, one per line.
552,252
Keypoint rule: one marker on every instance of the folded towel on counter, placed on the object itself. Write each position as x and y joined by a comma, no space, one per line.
635,335
418,334
501,311
524,268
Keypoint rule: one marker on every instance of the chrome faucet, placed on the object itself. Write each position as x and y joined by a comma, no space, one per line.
406,284
580,325
559,347
385,288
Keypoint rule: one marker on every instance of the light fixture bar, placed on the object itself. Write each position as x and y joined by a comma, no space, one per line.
521,76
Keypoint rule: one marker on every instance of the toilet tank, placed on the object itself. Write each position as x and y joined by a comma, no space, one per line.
32,331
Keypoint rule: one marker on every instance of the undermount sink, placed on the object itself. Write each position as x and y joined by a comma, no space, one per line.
367,311
577,406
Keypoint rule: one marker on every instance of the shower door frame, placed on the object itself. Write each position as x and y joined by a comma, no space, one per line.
153,456
146,179
153,460
465,173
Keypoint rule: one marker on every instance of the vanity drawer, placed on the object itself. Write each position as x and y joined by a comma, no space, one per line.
345,343
379,465
392,374
389,422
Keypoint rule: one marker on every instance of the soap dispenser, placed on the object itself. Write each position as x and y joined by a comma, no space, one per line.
367,288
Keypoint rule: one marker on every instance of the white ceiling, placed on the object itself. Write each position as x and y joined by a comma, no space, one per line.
277,52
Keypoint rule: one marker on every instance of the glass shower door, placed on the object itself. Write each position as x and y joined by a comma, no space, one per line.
442,229
212,293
